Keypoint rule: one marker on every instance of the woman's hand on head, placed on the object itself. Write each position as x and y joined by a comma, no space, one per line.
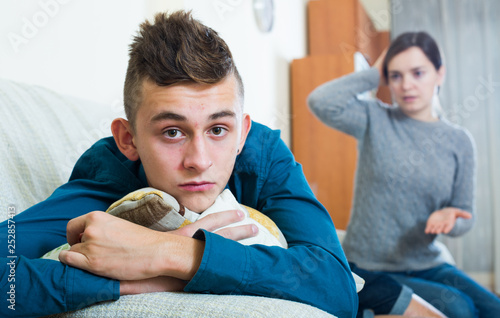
442,221
379,63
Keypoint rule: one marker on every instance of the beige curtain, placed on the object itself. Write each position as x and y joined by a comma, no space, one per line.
468,32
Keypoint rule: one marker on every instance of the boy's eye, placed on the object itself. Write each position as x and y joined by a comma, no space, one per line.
172,133
218,131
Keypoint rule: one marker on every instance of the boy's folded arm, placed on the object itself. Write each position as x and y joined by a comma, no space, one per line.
40,287
54,287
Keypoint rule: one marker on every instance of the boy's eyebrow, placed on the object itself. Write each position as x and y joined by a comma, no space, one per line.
224,113
177,117
168,115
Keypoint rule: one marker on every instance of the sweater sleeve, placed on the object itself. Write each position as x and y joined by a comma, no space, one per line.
312,270
337,105
464,185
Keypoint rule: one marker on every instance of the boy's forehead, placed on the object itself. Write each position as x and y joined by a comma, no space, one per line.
223,94
229,85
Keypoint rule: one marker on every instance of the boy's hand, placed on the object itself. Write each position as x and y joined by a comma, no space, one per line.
442,221
214,222
112,247
151,285
108,246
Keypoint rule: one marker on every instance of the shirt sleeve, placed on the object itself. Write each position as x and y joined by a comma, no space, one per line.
312,270
41,287
464,185
337,105
36,287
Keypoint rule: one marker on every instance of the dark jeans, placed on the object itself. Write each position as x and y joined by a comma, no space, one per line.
381,294
447,288
451,291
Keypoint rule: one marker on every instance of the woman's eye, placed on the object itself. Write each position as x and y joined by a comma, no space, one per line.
418,73
394,77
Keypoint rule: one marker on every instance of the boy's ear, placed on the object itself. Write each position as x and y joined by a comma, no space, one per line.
246,124
124,138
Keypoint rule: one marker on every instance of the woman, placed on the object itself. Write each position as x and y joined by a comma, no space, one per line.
414,180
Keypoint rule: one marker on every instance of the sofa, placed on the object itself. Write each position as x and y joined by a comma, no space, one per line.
42,134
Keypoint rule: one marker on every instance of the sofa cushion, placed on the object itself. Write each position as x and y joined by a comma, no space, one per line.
197,305
41,136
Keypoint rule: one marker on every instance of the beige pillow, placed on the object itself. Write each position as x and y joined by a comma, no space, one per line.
160,211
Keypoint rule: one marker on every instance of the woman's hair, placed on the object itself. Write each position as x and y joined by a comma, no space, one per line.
175,48
406,40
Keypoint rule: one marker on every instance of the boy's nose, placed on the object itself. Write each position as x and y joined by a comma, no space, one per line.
197,156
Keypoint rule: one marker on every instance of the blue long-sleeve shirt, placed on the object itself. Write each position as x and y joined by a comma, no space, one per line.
266,177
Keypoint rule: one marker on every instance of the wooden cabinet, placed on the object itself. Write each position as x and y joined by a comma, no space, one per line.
341,27
328,156
337,29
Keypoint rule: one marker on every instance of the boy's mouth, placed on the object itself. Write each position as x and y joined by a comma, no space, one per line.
197,186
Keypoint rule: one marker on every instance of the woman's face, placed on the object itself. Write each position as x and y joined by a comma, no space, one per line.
412,79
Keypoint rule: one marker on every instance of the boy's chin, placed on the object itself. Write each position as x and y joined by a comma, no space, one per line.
198,207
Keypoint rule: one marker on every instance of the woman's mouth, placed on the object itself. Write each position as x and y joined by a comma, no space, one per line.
409,99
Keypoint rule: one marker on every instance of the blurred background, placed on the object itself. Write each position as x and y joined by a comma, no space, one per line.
80,48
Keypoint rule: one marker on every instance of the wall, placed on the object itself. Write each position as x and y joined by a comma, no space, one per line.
80,47
74,47
380,12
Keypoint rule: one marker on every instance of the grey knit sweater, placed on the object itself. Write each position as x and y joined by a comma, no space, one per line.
406,170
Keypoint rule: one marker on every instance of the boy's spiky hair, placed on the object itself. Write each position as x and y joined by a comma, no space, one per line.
173,49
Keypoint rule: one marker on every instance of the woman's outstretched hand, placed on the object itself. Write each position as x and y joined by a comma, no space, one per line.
442,221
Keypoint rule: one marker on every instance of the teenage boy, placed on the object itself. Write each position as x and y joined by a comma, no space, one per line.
185,134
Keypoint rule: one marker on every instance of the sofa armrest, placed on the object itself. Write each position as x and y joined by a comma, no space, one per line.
186,305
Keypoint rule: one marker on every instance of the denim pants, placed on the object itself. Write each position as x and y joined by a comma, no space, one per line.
451,291
381,294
